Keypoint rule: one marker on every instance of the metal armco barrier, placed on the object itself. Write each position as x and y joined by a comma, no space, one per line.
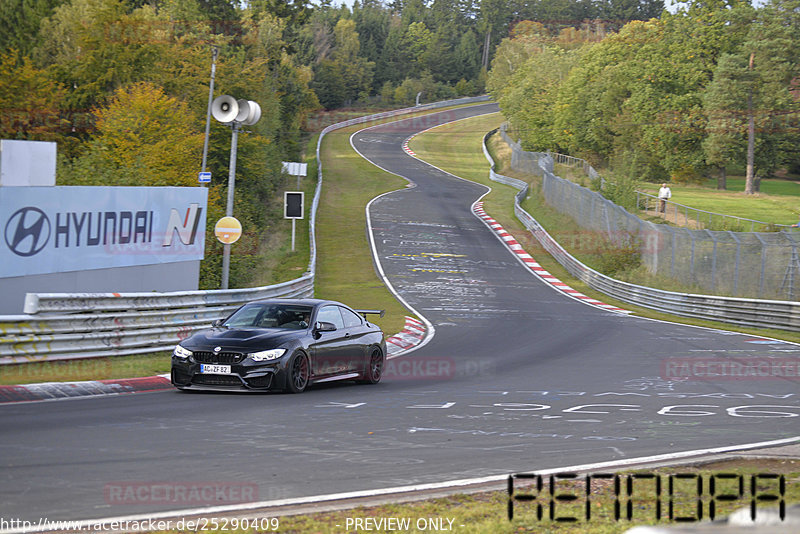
63,326
741,311
85,325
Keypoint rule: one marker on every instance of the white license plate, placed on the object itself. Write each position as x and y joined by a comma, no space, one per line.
215,369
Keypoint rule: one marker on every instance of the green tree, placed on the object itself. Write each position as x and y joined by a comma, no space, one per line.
752,96
416,44
724,102
372,27
329,84
392,67
621,11
771,83
20,21
144,137
356,71
532,93
297,12
30,101
492,21
94,47
466,56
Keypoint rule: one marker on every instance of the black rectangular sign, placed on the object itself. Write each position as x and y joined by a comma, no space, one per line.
293,205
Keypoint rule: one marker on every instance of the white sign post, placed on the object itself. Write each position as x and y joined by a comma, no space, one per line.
295,169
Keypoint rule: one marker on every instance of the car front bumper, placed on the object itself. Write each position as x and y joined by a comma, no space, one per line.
186,373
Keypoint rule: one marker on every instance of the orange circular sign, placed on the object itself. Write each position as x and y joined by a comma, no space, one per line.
228,230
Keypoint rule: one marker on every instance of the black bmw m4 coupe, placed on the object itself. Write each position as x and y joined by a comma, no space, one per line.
285,344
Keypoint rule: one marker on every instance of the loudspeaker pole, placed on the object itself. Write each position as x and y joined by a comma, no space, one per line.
214,53
232,167
226,249
234,113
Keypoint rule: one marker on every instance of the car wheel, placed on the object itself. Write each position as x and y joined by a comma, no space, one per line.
297,373
374,370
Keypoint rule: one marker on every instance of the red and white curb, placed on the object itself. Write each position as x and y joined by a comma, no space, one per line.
89,388
534,266
411,336
408,150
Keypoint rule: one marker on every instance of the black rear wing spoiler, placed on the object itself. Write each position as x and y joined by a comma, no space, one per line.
371,312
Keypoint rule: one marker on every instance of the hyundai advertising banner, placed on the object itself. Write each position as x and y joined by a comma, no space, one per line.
74,228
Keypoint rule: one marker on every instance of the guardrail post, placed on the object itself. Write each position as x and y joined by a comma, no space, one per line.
713,260
763,265
794,264
736,264
674,247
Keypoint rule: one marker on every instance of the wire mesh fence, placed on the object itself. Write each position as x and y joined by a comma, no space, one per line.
697,218
763,265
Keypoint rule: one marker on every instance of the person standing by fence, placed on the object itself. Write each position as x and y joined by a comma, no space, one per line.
664,194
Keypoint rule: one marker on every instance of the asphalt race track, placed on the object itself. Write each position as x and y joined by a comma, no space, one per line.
518,377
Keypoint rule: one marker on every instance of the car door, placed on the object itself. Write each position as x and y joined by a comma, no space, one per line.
356,332
330,350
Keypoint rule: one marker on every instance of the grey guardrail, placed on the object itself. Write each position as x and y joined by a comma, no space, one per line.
62,326
741,311
84,325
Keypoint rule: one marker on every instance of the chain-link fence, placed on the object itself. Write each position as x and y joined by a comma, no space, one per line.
763,265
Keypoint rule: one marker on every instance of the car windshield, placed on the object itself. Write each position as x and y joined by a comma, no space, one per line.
258,315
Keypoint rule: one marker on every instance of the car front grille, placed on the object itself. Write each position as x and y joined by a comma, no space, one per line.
218,357
216,380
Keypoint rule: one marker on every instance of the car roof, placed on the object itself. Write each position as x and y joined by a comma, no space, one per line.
307,302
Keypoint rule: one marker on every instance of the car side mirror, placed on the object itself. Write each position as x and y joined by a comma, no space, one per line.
323,326
217,323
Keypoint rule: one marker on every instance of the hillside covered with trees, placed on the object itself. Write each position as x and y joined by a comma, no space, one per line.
691,94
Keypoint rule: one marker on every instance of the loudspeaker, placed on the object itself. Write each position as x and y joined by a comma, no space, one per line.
249,112
254,115
225,109
244,110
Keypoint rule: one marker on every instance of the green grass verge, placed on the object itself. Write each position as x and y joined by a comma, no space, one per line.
456,148
102,368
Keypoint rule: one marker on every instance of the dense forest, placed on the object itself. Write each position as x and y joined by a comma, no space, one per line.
712,87
122,85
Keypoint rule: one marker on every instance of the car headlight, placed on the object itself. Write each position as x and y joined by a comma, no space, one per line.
181,352
266,355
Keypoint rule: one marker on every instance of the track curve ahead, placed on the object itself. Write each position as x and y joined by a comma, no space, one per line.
518,377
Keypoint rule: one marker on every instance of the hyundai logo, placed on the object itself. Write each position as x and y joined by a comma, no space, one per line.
27,231
217,349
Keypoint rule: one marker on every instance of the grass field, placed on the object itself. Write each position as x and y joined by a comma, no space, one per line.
778,203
